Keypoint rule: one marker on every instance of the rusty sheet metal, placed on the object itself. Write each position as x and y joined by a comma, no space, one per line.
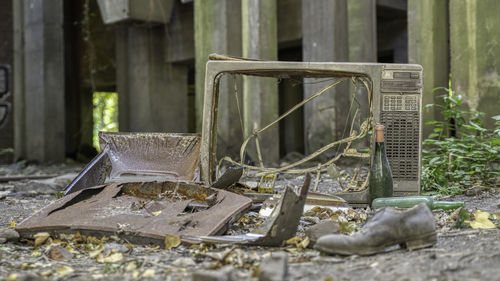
143,212
280,226
172,155
153,153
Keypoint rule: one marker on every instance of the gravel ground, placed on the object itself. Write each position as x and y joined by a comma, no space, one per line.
460,254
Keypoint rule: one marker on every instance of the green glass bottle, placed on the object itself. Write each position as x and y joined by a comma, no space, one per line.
380,184
410,201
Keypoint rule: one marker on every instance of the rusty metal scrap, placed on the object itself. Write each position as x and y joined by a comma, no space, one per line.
142,212
278,227
167,154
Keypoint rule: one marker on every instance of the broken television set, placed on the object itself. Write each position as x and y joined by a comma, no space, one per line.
343,102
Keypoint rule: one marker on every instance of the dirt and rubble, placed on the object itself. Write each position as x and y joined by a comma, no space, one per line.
460,253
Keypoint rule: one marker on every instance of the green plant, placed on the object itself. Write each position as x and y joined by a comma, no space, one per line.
105,114
460,152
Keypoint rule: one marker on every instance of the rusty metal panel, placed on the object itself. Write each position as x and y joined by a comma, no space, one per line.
153,153
140,209
171,155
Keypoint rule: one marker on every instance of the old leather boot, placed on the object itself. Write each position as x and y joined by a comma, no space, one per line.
414,228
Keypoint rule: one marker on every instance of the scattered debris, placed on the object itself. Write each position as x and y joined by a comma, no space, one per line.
278,227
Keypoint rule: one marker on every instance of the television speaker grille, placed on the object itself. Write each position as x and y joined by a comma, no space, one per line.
402,142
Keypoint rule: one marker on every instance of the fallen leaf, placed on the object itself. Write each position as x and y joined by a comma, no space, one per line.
293,241
304,243
156,213
46,273
148,273
40,238
12,277
346,227
114,257
77,237
131,266
171,241
36,253
64,270
135,274
481,220
12,224
97,251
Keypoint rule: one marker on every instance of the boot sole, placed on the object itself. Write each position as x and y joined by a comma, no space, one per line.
411,243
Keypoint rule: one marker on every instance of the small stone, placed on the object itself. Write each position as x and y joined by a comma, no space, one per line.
9,235
210,275
2,240
183,262
274,267
323,228
59,253
473,191
118,248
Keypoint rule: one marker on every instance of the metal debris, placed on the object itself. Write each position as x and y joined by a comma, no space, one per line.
278,227
166,154
141,212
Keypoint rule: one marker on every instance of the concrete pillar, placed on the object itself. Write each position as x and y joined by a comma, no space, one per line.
43,84
18,80
475,54
218,30
122,64
428,46
260,95
152,93
324,29
6,116
362,20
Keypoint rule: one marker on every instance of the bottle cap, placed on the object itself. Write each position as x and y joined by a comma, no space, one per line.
379,133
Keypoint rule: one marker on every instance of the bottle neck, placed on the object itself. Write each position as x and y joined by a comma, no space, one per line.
447,205
379,147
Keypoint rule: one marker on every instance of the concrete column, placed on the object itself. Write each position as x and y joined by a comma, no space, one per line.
218,30
153,93
362,20
43,85
428,46
122,64
475,54
6,117
260,95
18,80
324,29
362,16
